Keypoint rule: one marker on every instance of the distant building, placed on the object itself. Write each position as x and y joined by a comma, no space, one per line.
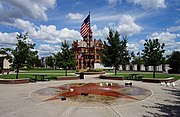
87,52
4,63
43,62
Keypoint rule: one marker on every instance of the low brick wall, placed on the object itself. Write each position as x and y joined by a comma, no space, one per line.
14,81
111,77
158,80
67,77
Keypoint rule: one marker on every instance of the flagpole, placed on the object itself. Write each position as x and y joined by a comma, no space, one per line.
89,40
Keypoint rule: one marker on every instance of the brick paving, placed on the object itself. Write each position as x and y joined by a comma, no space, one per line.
16,101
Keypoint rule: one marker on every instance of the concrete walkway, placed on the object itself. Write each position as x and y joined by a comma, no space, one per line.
16,101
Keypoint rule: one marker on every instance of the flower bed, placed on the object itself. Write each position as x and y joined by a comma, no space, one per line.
14,81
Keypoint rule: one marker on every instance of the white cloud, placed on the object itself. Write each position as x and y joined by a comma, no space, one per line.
25,26
46,47
178,21
164,36
173,28
113,2
133,46
169,39
8,39
46,50
74,16
35,9
141,42
127,26
49,34
100,33
149,3
178,9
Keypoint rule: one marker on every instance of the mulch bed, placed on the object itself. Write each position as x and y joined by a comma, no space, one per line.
158,80
111,77
90,73
67,78
14,81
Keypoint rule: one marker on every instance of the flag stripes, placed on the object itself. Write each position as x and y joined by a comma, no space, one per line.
85,27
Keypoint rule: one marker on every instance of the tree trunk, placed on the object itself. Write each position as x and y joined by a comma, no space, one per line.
115,71
65,71
154,70
17,74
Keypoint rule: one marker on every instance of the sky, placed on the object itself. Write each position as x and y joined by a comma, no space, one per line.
50,22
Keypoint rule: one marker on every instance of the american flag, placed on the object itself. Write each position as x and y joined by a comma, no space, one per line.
85,27
80,56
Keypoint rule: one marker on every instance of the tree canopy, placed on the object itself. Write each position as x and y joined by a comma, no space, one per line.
22,52
65,59
174,62
50,61
152,53
115,51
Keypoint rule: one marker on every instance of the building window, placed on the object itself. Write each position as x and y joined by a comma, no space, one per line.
97,57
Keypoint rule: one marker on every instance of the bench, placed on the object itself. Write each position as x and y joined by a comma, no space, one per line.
139,78
39,77
128,77
35,79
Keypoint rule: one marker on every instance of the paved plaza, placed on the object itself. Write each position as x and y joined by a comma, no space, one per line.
16,101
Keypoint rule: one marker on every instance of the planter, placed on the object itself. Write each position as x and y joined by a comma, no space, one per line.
67,78
111,77
158,80
14,81
91,73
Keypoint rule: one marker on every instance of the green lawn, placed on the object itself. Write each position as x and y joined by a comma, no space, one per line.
46,71
29,75
148,75
54,73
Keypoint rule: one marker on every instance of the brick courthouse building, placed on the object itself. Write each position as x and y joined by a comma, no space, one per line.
87,52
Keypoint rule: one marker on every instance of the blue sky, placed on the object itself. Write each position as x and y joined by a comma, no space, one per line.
49,22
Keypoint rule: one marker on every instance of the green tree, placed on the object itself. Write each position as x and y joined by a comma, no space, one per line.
153,53
33,59
66,58
115,51
174,62
22,52
137,60
58,59
50,61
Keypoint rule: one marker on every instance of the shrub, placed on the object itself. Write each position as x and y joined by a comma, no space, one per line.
95,70
90,70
